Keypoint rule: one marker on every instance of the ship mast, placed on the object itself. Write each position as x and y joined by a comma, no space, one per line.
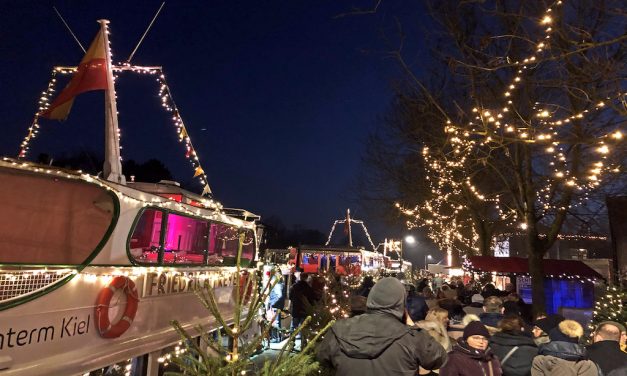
348,223
112,169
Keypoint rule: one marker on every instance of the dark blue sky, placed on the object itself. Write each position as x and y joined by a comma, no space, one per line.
277,96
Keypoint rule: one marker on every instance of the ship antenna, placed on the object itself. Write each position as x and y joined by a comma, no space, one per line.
68,28
145,32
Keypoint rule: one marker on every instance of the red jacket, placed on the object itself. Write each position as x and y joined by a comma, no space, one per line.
466,361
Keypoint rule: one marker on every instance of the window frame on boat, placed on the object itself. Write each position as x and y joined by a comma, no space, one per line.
246,261
66,271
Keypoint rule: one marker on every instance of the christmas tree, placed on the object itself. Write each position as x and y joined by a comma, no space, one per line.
235,358
609,307
334,303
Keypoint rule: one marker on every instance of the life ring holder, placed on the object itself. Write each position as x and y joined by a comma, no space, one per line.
106,328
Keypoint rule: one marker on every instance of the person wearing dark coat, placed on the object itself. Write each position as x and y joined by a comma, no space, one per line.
416,305
493,311
605,351
514,349
454,307
471,356
543,326
563,355
378,342
366,286
302,296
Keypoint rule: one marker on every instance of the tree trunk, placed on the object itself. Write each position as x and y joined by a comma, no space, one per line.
535,251
485,242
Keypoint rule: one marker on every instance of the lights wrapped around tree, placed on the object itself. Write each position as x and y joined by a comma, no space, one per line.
503,126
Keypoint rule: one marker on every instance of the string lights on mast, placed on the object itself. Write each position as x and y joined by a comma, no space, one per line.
167,102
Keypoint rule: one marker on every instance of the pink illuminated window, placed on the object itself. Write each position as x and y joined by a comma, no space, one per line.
144,244
186,240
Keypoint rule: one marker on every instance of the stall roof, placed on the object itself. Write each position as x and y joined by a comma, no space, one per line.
521,265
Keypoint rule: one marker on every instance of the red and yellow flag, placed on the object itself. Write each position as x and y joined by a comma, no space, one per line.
90,75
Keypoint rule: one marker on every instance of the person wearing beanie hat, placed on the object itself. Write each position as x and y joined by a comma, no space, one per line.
379,342
543,326
471,356
476,328
564,354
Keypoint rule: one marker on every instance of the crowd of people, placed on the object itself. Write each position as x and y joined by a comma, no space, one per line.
454,329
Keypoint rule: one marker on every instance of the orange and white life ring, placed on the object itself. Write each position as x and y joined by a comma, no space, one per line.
106,328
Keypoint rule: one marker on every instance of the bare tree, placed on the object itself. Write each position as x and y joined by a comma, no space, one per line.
530,115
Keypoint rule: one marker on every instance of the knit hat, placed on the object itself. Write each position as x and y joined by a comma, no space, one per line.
477,298
476,328
567,331
387,295
549,322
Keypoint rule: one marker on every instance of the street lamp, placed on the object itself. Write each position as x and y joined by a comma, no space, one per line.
409,239
426,258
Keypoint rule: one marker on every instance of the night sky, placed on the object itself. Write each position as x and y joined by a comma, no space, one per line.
278,97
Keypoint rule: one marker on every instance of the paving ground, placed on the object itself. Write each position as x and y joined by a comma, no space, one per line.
270,353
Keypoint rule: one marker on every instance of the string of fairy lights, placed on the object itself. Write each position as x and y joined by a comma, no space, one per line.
359,222
501,126
157,201
167,102
468,266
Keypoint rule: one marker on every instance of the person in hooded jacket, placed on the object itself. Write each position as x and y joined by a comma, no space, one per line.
379,342
471,356
514,349
437,331
563,355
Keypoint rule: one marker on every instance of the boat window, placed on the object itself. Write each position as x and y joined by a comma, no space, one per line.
224,240
186,240
248,247
145,240
310,258
50,220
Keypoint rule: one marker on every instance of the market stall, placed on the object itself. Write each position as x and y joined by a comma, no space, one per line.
568,283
